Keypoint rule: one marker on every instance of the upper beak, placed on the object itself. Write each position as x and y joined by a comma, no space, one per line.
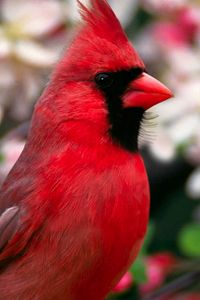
145,92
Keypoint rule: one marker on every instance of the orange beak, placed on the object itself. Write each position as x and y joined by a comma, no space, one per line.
146,92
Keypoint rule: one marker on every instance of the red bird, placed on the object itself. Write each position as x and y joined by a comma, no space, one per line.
74,208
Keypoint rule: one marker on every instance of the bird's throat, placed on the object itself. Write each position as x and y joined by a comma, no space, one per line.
124,123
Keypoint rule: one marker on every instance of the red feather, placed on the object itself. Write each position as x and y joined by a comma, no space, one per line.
103,22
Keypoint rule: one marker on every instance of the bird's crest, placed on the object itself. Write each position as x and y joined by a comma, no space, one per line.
100,44
100,18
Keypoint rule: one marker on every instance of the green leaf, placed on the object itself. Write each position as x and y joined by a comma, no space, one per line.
2,158
182,147
189,240
139,271
148,238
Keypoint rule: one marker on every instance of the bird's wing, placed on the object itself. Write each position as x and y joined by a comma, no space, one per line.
16,231
8,225
15,235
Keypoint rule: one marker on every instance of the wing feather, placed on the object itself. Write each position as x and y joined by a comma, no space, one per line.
8,225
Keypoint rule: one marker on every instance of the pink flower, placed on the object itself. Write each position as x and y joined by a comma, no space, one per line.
163,6
10,149
29,47
158,267
165,260
170,34
189,20
124,283
181,28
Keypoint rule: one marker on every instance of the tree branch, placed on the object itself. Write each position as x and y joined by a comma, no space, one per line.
177,285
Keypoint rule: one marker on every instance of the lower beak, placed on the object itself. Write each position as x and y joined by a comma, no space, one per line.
146,92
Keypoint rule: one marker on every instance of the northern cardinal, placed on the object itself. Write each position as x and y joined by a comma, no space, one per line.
74,208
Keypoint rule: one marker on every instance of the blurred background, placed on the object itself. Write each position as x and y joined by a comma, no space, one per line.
166,33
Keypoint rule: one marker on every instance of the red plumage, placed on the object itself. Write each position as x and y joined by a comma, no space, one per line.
74,208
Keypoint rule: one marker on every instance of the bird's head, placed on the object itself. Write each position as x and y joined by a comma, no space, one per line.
102,81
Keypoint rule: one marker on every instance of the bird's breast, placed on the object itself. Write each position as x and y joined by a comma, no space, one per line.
114,212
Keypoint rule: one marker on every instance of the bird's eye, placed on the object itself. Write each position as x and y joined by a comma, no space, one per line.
104,80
